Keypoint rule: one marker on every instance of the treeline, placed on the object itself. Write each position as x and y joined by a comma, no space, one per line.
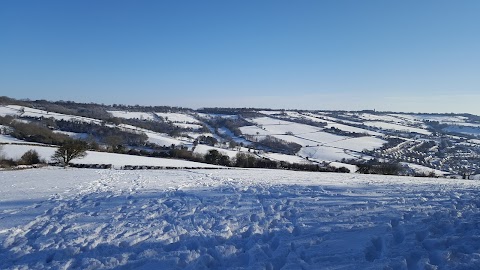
336,131
31,132
112,136
376,167
305,121
278,145
140,108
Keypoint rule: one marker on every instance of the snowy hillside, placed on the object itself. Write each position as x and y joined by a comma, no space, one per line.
437,142
116,160
235,219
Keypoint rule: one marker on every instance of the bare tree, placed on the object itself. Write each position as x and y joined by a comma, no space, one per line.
68,151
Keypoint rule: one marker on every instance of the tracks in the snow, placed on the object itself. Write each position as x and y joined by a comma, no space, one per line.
210,221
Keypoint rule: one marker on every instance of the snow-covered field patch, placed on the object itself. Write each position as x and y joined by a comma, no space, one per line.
10,139
236,219
132,115
178,117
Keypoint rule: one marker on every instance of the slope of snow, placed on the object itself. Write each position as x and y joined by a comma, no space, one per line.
352,168
154,137
275,126
271,112
474,141
423,169
286,158
31,112
236,219
352,129
323,117
344,127
322,137
192,126
10,139
117,160
438,118
254,131
8,110
325,153
203,149
359,144
384,125
14,151
386,118
226,132
178,117
132,115
215,115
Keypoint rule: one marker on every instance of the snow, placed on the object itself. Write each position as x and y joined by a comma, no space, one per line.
384,125
178,117
353,129
132,115
286,158
298,140
275,126
359,144
192,126
253,130
14,151
117,160
385,118
474,141
438,118
352,168
7,110
203,149
271,112
325,153
154,137
423,169
321,137
330,124
215,115
31,112
10,139
235,219
321,116
226,132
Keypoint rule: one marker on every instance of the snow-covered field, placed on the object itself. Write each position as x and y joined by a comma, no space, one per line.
178,117
116,160
384,125
235,219
133,115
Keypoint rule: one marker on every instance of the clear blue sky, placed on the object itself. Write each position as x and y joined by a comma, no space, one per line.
332,54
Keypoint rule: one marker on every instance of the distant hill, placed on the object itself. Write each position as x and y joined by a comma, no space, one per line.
420,143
